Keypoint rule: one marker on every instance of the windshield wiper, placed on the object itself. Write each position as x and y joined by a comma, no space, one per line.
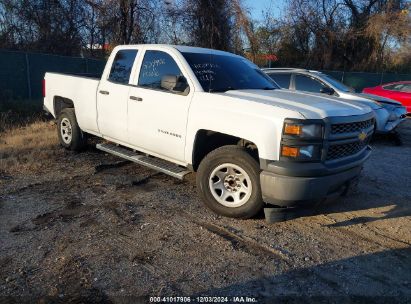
231,88
221,89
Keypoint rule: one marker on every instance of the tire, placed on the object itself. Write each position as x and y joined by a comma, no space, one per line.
70,135
228,182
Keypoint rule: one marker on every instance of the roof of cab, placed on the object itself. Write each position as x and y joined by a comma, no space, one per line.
183,48
290,70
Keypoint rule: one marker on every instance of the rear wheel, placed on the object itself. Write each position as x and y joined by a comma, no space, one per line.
70,135
228,181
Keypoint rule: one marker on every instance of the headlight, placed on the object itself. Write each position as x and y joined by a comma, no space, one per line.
301,130
308,152
302,140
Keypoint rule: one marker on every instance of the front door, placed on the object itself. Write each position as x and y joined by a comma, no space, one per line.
157,114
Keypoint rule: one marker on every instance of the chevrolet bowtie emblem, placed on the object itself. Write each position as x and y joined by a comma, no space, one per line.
362,136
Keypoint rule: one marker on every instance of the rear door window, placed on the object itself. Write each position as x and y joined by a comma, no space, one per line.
308,84
122,65
282,79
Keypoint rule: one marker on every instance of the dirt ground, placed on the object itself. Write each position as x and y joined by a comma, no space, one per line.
89,227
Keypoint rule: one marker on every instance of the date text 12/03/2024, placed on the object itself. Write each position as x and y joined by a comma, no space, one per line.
236,299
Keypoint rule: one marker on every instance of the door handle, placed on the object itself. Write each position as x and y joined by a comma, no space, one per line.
104,92
136,98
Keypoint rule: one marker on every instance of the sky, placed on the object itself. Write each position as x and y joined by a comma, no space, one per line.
258,6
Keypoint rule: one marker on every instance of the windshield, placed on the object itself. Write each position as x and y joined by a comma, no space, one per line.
220,73
335,83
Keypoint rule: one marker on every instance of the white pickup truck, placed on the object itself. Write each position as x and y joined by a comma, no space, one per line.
180,109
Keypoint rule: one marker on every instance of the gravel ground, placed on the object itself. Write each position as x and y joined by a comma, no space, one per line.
89,227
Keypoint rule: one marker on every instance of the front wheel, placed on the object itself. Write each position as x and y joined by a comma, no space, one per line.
70,135
228,181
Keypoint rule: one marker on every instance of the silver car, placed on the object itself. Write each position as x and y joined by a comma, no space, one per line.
389,113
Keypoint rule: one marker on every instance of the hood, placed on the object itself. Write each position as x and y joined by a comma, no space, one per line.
380,99
373,101
361,99
310,105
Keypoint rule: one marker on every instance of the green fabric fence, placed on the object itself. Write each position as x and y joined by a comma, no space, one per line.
361,80
21,73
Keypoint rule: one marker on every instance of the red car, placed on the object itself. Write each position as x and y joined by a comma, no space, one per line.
399,91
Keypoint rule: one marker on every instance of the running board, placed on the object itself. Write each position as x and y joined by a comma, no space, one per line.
141,159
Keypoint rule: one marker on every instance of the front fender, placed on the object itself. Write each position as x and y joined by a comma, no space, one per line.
259,123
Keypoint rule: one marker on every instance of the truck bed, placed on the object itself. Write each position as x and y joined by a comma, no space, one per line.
96,76
81,89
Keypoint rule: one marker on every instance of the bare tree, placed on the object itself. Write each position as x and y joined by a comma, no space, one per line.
325,34
338,34
43,25
210,23
245,25
388,27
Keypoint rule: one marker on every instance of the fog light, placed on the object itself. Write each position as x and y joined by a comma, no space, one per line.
301,153
290,151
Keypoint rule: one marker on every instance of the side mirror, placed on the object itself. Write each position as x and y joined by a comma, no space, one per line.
168,82
327,90
174,83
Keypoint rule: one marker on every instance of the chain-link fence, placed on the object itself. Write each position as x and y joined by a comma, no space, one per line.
21,73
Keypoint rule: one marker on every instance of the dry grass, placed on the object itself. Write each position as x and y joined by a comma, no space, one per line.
27,149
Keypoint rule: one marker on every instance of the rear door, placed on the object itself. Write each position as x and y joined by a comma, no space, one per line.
112,96
157,117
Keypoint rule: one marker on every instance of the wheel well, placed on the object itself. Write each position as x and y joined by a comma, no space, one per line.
207,141
61,103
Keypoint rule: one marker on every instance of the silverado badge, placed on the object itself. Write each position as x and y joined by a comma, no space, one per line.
362,136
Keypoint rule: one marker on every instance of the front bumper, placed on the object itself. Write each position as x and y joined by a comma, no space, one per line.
287,187
388,119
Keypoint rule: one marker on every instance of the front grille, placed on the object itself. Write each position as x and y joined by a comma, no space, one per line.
343,150
351,127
